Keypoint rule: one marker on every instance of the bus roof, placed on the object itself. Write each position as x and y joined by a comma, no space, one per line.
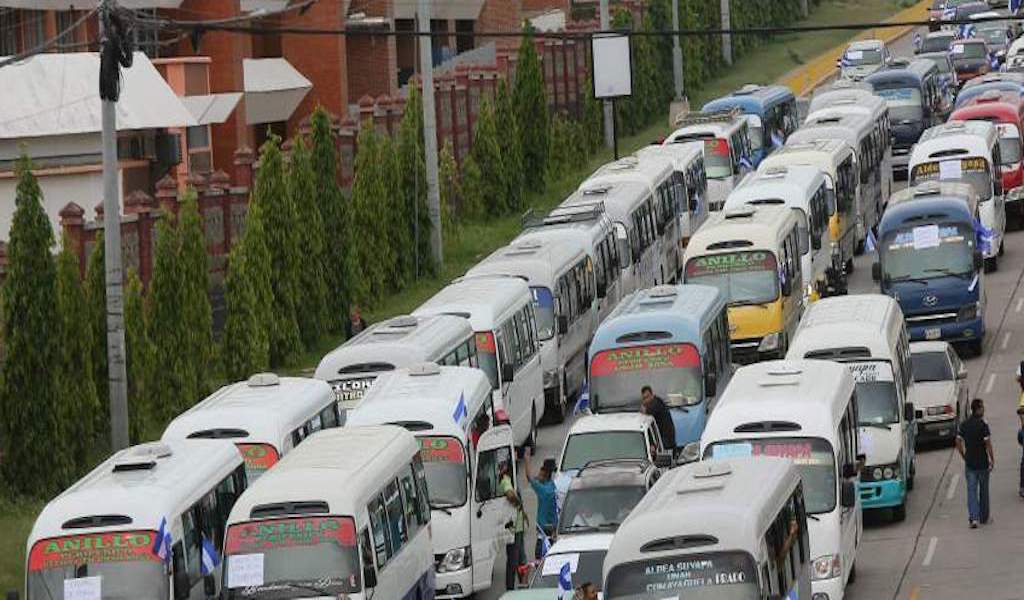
681,155
398,342
826,154
994,105
836,123
484,300
857,322
942,207
794,185
912,72
810,394
731,501
974,138
651,171
751,99
619,197
694,127
541,260
936,190
265,408
138,486
423,398
588,219
683,310
355,456
741,229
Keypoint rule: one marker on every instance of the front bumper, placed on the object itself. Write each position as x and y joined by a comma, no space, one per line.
943,329
936,428
745,352
883,494
457,584
900,159
828,589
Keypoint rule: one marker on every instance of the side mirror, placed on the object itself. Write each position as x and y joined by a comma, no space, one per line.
710,385
979,261
369,576
908,411
563,325
507,373
210,585
849,471
787,287
876,271
663,460
690,453
182,589
861,459
962,373
848,497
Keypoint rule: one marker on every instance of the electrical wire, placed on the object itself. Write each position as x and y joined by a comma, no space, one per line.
49,44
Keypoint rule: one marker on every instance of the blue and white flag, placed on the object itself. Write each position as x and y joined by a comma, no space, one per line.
209,559
545,541
1014,6
461,412
745,162
844,61
870,244
565,582
993,60
583,403
965,31
917,40
777,140
162,544
948,14
984,237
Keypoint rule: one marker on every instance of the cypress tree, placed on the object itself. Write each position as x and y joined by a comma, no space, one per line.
593,117
36,454
75,371
313,319
531,107
196,313
489,158
142,412
174,387
512,158
413,173
271,200
473,191
374,250
248,297
448,182
96,316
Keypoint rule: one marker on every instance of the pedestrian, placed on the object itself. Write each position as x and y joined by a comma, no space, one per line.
655,406
974,443
587,591
356,324
515,553
547,510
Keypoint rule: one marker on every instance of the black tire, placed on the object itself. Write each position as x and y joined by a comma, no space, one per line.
991,264
899,513
912,475
850,267
853,574
858,250
1002,249
976,347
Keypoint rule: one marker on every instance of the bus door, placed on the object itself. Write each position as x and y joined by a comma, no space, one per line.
490,510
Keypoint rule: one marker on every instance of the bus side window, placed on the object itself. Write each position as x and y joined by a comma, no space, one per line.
378,524
329,416
396,516
421,480
366,549
410,502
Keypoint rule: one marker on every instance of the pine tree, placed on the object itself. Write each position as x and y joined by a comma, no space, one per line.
531,107
489,157
374,250
450,189
473,191
142,412
313,318
196,313
271,200
593,117
174,387
75,370
95,314
36,455
413,170
248,297
512,159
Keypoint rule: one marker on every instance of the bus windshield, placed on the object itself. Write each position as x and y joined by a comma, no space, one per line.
588,509
113,566
877,401
743,277
582,448
813,457
927,252
966,52
672,370
755,131
544,307
487,355
860,58
444,465
258,459
701,576
974,170
1009,143
904,103
264,558
583,567
717,159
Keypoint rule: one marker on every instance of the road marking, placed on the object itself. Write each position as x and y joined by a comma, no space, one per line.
1006,340
1020,305
930,552
955,479
989,383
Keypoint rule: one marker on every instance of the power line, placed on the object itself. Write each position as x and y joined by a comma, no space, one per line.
49,44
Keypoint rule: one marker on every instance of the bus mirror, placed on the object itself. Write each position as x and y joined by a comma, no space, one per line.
908,411
849,494
182,588
849,471
663,460
507,373
690,453
369,577
787,287
861,459
710,385
979,261
563,324
876,271
210,585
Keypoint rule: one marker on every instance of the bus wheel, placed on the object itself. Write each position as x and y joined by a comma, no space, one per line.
991,264
899,513
1002,250
976,347
850,267
853,574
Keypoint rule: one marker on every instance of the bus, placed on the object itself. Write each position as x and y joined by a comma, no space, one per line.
913,92
967,151
500,310
867,333
590,224
673,338
839,162
770,111
1006,111
803,410
689,165
450,412
928,260
732,529
344,516
728,155
808,192
400,341
752,254
136,525
265,417
993,82
560,274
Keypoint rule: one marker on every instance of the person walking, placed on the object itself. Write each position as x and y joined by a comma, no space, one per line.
515,553
655,406
974,443
547,509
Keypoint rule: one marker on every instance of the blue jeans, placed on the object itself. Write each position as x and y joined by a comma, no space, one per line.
977,495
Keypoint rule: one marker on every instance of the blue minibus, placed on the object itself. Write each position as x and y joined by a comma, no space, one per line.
771,113
912,91
672,338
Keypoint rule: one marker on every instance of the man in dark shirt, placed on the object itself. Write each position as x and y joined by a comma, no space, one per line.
655,406
974,443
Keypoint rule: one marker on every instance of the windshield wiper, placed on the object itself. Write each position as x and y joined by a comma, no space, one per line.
319,591
815,517
885,426
921,280
444,507
945,271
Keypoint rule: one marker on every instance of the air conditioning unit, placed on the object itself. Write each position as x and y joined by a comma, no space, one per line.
168,149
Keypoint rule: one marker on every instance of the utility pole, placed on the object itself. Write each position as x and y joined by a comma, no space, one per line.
430,133
609,106
118,380
726,37
677,54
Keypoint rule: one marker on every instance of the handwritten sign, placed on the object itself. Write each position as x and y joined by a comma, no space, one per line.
245,570
926,236
553,563
83,588
950,170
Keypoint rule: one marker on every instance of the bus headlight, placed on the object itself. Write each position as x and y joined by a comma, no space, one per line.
826,567
455,560
967,313
769,342
888,472
876,474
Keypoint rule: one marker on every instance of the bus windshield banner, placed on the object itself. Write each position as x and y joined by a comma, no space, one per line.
949,170
644,358
73,551
730,262
286,533
441,449
732,573
258,457
802,451
870,372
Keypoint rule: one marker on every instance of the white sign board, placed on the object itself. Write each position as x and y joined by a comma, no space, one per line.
613,68
245,570
83,588
926,236
553,563
950,170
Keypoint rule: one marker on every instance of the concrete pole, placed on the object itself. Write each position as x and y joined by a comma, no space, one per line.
677,54
609,115
726,37
430,133
117,374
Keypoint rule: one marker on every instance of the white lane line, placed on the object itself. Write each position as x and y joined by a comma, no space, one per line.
930,553
1006,341
955,479
989,383
1020,305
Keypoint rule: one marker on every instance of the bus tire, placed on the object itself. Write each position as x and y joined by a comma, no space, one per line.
991,264
976,347
899,513
853,574
850,267
1002,249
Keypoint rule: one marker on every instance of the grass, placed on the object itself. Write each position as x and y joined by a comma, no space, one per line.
15,523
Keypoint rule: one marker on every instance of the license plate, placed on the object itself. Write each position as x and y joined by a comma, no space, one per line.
933,333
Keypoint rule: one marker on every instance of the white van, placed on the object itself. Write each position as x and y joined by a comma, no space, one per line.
135,526
397,342
344,516
560,274
265,417
803,410
688,160
867,333
449,411
728,152
500,311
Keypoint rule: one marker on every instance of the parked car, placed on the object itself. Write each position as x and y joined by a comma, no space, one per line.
602,494
939,393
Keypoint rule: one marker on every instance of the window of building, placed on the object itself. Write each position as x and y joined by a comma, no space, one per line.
33,28
464,42
200,152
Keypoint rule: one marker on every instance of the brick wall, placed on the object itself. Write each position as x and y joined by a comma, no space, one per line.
321,59
500,15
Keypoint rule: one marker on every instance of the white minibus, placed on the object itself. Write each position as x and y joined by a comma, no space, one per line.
560,274
136,526
733,529
691,182
867,333
808,192
265,417
397,342
344,516
728,152
500,310
805,411
449,410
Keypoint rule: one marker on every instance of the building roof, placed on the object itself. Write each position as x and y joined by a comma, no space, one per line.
273,89
58,94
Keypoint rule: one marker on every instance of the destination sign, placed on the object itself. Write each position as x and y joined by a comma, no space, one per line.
934,168
644,358
730,262
682,575
441,449
257,536
119,546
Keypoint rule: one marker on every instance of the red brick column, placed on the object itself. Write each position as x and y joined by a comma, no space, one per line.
347,151
244,158
167,195
72,225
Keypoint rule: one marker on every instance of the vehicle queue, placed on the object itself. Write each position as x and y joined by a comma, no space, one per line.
403,482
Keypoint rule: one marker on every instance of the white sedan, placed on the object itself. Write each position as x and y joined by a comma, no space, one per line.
940,390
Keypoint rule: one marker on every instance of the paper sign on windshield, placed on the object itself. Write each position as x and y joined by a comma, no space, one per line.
553,563
870,372
950,170
245,570
957,49
854,54
926,236
83,588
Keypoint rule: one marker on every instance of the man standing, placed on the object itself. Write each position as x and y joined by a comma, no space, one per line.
974,443
356,324
547,508
655,406
514,553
